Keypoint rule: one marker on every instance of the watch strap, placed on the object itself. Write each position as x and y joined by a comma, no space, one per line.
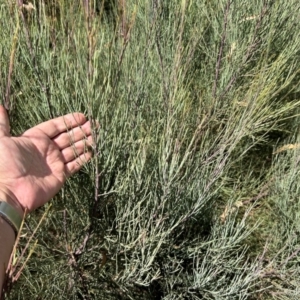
11,216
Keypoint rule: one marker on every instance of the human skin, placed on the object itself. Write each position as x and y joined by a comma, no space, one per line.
35,165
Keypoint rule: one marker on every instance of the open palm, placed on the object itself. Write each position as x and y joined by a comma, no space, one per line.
35,165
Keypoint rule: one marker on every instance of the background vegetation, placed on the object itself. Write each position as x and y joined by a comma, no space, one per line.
193,190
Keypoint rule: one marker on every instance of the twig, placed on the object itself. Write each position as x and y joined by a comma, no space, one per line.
158,47
263,193
65,230
74,256
122,6
7,285
295,253
90,75
90,40
126,38
32,54
221,48
12,270
81,248
249,53
7,103
21,4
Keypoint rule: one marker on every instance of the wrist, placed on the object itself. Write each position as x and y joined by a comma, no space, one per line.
7,196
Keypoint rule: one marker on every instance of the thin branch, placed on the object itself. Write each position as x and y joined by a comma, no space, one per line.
89,17
7,103
295,253
32,54
28,41
12,271
221,48
250,51
126,38
159,52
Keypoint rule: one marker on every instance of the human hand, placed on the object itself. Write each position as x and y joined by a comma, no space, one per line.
35,165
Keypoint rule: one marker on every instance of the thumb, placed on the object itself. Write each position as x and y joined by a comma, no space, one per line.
4,122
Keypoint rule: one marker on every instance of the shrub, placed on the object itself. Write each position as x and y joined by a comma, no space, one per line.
185,197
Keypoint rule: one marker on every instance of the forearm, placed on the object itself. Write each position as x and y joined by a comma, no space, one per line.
7,239
7,234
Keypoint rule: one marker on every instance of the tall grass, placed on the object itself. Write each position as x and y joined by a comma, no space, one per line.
184,198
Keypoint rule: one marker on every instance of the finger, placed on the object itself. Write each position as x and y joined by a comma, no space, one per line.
77,149
4,122
59,125
66,139
75,165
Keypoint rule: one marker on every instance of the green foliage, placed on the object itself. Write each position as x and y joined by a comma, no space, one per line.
184,198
